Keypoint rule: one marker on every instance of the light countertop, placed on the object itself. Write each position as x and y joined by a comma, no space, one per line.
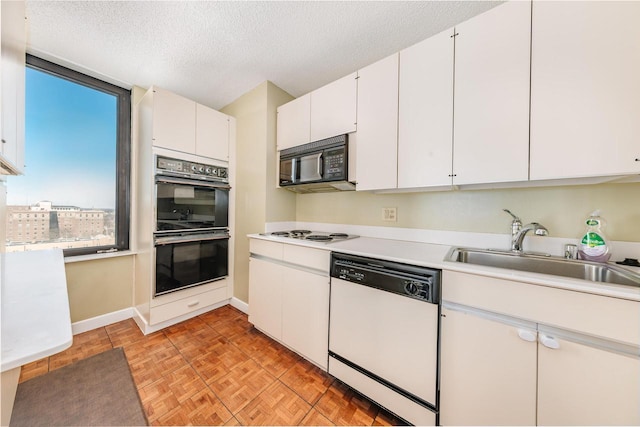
36,321
433,255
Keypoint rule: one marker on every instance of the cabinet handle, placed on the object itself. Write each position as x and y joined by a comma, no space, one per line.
193,304
527,335
549,342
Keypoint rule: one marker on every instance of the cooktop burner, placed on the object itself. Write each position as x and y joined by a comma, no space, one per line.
315,236
280,233
318,238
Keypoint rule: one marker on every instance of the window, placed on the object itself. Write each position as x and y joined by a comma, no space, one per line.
77,156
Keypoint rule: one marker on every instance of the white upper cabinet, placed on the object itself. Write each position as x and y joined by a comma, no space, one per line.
294,122
585,89
174,121
13,87
491,108
377,150
323,113
333,108
212,133
183,125
425,121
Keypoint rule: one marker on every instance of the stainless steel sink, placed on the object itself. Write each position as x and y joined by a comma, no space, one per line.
576,269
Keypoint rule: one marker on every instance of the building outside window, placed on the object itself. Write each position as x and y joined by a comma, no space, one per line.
74,194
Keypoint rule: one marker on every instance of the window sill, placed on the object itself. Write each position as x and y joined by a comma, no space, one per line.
93,257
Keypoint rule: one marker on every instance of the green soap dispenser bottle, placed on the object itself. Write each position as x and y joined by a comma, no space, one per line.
593,246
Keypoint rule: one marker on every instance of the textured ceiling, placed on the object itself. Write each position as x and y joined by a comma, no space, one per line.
215,51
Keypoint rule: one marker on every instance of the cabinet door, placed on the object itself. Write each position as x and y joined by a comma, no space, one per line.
377,152
13,87
488,373
294,122
491,107
586,385
174,121
212,133
305,314
333,108
585,86
425,121
265,296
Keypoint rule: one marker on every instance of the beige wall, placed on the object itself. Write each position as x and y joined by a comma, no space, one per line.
99,287
3,214
561,209
256,199
280,203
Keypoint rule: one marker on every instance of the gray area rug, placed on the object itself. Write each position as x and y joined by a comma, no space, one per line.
97,391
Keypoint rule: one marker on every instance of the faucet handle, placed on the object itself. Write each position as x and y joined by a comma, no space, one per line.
515,218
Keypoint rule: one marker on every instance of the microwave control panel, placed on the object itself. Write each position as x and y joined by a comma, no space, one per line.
335,164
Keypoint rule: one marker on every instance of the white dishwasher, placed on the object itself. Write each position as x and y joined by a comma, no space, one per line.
384,333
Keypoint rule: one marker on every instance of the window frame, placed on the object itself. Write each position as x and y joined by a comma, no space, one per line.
123,150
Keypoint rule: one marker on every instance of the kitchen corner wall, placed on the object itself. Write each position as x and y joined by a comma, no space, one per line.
257,199
101,286
561,209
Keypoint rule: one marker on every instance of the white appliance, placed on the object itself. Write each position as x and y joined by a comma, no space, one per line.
384,334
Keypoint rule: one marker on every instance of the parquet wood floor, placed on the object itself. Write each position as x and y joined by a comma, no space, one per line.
216,369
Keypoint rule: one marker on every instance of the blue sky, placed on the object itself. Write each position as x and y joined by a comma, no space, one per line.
70,145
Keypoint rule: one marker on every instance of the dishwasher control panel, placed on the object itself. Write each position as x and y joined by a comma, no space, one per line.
408,280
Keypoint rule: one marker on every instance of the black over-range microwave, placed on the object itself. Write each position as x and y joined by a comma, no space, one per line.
318,166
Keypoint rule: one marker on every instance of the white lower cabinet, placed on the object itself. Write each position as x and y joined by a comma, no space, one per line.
488,372
265,296
501,369
289,296
580,384
305,314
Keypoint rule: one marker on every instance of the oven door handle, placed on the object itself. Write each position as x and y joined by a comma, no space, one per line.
161,241
209,184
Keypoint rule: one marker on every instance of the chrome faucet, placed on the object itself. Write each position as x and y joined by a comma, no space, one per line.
518,232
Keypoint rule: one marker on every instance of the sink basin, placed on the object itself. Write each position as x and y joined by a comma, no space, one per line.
576,269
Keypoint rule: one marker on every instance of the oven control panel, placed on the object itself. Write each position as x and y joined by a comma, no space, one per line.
191,169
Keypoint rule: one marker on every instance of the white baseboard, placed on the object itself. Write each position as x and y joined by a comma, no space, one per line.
240,305
131,312
101,321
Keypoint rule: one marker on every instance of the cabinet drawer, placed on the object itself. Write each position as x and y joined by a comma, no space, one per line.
267,249
307,257
186,305
606,317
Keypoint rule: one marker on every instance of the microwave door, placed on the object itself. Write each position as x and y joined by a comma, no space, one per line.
288,171
311,167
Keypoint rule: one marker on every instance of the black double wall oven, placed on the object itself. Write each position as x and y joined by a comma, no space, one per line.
191,236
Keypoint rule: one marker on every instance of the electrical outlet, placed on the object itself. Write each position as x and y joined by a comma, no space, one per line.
390,214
